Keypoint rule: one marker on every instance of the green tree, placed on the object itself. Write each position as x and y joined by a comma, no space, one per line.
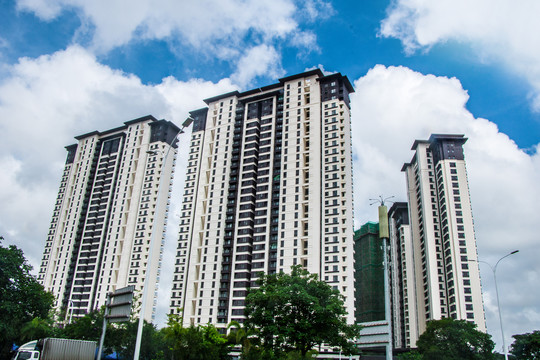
297,312
410,355
194,342
121,338
88,327
247,339
449,339
37,328
22,298
526,346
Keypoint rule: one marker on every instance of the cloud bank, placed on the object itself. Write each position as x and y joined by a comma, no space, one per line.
262,26
500,31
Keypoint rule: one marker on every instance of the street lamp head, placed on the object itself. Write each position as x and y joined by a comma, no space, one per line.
187,122
513,252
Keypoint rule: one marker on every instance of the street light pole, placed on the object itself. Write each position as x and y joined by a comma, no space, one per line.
383,224
146,284
384,235
494,270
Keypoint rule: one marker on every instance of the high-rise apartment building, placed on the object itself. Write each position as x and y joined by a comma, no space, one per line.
447,278
369,274
402,278
269,186
105,212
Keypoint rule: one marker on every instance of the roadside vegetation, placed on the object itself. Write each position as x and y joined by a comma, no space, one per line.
288,317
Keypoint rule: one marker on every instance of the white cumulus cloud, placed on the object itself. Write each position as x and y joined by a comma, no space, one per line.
501,31
212,28
208,29
117,22
258,61
394,106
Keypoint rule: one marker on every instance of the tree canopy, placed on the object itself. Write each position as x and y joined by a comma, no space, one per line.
297,312
194,342
449,339
87,327
22,298
526,346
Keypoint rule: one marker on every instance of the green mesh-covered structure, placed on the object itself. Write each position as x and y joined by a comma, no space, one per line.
369,274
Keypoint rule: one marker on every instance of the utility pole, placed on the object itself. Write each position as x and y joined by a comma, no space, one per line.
384,235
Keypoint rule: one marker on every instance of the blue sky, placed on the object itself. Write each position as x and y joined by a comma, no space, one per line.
68,67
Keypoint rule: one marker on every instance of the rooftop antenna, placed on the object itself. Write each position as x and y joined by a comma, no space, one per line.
381,200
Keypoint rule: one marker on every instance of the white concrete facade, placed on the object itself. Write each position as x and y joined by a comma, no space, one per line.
447,278
99,238
404,317
269,186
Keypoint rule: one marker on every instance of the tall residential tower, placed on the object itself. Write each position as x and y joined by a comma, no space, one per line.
269,186
105,212
447,279
402,278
